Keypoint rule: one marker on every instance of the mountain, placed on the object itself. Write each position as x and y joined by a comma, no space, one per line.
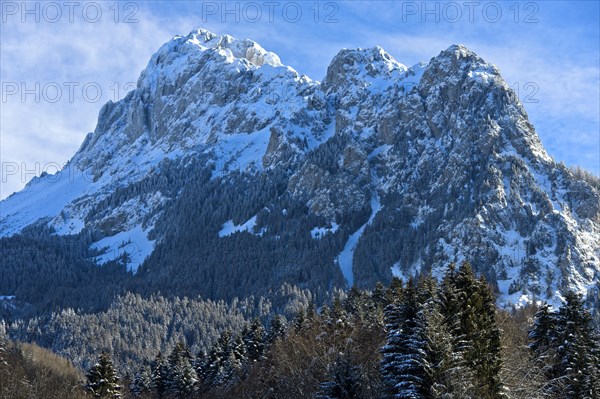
226,173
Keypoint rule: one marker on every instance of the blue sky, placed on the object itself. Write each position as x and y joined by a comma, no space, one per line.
60,63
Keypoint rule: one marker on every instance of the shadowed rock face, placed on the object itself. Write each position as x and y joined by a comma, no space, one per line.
444,151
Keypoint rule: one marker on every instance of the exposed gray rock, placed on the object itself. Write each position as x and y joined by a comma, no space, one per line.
446,146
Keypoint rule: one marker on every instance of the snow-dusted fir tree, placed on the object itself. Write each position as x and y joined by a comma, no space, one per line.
345,381
424,357
543,339
577,366
181,374
201,367
181,377
254,340
379,296
276,329
159,374
299,321
404,365
142,381
488,343
470,307
224,360
103,381
449,377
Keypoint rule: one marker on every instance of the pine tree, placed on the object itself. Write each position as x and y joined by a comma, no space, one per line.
354,301
103,381
426,289
276,329
142,381
300,321
224,360
488,343
325,314
311,311
159,375
391,354
338,312
593,369
449,377
544,340
576,357
208,369
379,296
451,308
254,340
345,381
566,347
181,374
239,350
468,304
201,367
404,365
542,335
395,290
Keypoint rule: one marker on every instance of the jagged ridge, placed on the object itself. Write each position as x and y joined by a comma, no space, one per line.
400,170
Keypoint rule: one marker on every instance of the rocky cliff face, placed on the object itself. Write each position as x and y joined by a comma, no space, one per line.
378,170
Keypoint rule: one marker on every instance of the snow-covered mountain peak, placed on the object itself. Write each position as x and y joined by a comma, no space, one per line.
373,55
242,49
361,68
458,63
402,169
182,56
459,51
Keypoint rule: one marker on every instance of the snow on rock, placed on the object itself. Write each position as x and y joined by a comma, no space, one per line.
481,75
229,228
132,245
44,197
346,258
319,232
404,276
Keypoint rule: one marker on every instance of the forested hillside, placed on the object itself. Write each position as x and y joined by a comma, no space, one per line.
415,339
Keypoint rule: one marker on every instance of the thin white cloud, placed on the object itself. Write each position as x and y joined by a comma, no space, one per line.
65,64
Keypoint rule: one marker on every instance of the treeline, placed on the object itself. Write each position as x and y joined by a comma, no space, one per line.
48,273
585,175
134,328
421,339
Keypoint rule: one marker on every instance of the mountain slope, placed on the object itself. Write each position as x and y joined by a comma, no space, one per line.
226,173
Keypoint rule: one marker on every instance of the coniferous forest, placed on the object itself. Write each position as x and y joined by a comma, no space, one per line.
422,338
